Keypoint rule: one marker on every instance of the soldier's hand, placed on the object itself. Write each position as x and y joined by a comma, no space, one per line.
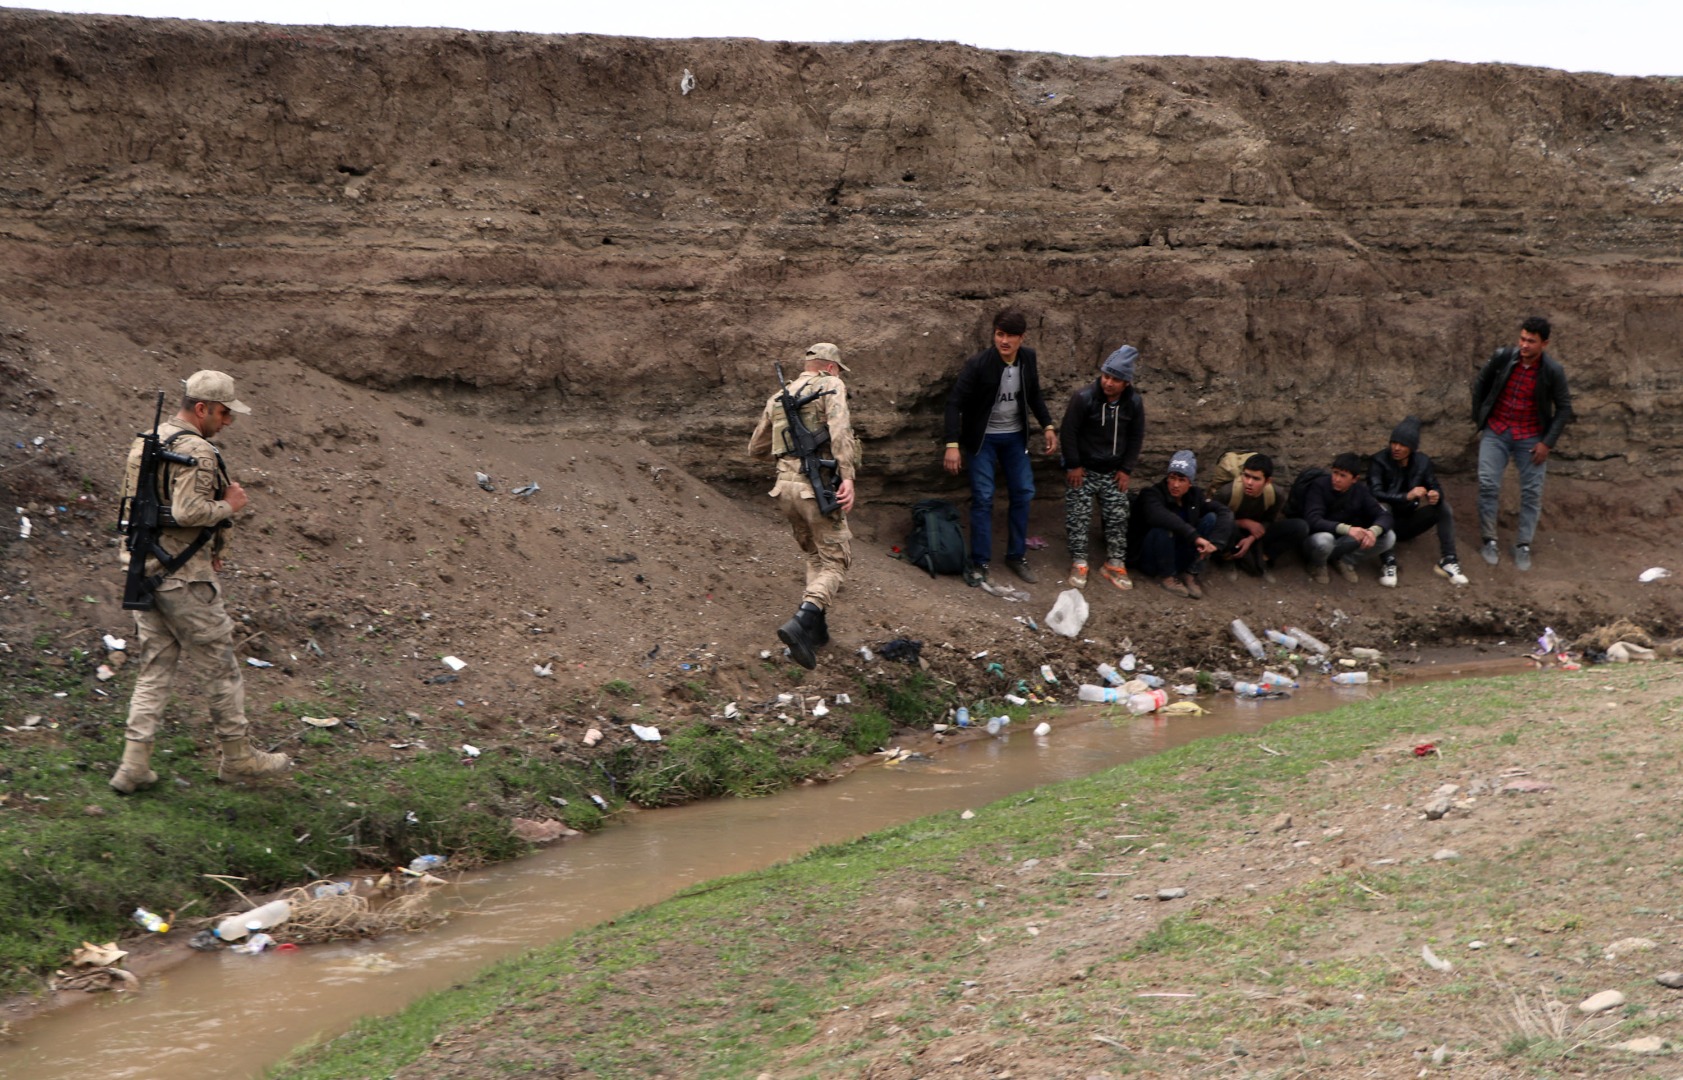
952,460
235,496
844,495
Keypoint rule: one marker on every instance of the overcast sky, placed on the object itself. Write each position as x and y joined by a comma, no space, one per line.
1622,37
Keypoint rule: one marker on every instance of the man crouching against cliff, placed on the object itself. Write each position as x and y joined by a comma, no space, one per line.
824,537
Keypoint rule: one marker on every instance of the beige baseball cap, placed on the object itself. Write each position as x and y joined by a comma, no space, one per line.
216,386
828,353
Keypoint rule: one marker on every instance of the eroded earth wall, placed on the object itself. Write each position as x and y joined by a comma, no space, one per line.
552,227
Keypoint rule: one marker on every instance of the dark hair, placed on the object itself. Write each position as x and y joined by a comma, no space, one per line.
1261,463
1536,324
1011,321
1348,462
187,402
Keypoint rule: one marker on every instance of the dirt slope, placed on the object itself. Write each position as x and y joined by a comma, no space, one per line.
429,252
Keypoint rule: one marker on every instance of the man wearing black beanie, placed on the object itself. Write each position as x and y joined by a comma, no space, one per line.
1402,479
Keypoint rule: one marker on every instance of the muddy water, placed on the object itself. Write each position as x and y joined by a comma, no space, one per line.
229,1016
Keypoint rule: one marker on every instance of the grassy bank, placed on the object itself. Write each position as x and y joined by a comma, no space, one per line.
1032,940
79,857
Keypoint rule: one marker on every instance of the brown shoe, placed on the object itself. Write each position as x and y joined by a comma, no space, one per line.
1190,581
1174,585
136,770
240,760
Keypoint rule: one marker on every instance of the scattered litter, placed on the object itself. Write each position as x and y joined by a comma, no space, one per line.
967,815
1035,543
821,709
539,830
904,650
115,644
1005,592
1183,708
91,955
731,711
24,528
104,672
1185,689
1653,573
1068,614
454,664
1623,652
686,83
311,646
543,671
978,655
1047,675
1242,634
866,654
321,721
1433,962
440,680
336,888
422,864
647,734
525,490
1361,653
843,699
592,737
601,803
236,926
470,750
1043,728
252,661
1427,749
484,481
144,919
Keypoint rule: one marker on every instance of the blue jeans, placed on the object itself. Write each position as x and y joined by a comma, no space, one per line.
1494,452
1005,455
1163,554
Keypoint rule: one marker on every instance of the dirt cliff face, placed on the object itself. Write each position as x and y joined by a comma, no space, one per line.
552,227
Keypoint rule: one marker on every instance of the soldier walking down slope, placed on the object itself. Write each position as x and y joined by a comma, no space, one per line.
179,616
815,497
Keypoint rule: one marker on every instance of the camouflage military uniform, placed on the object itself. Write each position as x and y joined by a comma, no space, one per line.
825,539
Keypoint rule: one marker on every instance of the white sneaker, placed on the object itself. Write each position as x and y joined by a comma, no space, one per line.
1451,569
1388,575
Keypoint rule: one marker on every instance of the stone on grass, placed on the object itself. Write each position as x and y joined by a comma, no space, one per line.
1648,1044
1600,1003
1673,979
1170,894
1445,855
1630,945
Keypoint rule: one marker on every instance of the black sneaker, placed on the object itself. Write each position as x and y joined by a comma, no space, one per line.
1020,567
975,574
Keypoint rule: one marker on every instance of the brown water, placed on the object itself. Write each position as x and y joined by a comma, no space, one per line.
225,1015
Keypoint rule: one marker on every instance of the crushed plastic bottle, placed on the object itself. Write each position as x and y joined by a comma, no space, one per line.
1308,640
235,927
1110,674
1147,701
1284,641
1102,695
1249,689
1350,678
1150,680
1015,700
1243,635
1046,674
256,943
336,888
422,864
1273,680
998,724
148,921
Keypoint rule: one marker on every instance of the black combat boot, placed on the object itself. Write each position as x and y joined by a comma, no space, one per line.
801,634
821,632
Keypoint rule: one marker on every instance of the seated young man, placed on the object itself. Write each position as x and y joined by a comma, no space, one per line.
1260,533
1182,528
1346,522
1402,479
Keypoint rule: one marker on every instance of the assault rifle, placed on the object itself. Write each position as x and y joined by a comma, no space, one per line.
802,442
143,519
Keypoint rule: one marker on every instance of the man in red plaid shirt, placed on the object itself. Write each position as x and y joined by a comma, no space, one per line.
1521,405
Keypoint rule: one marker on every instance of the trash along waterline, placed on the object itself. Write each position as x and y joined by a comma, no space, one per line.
229,1015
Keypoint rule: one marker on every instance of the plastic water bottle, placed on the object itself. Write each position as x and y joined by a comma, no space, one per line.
256,943
146,920
1015,700
1247,639
1350,678
998,724
235,927
1147,701
1308,640
1111,675
1047,675
1149,679
422,864
962,718
1284,641
1249,689
1102,695
1273,680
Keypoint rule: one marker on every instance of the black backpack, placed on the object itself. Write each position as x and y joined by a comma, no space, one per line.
1300,490
936,543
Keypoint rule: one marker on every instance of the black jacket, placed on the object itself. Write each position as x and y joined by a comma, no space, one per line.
1158,510
1391,483
1325,509
1100,435
972,397
1554,400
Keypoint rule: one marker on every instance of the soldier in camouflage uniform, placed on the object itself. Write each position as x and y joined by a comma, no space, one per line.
823,538
188,626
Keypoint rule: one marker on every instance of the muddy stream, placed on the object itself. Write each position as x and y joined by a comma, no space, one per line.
228,1015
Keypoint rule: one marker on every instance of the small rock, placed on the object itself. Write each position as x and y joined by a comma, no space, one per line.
1630,945
1445,855
1600,1003
1437,808
1170,894
1476,944
93,810
1648,1044
967,815
1281,823
1523,784
1673,979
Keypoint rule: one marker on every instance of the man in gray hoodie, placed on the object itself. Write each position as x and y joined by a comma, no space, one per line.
1100,437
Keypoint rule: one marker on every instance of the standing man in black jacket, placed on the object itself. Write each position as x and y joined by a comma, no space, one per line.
987,423
1521,405
1401,477
1101,434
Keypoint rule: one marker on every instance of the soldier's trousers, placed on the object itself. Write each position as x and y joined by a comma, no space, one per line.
824,539
187,629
